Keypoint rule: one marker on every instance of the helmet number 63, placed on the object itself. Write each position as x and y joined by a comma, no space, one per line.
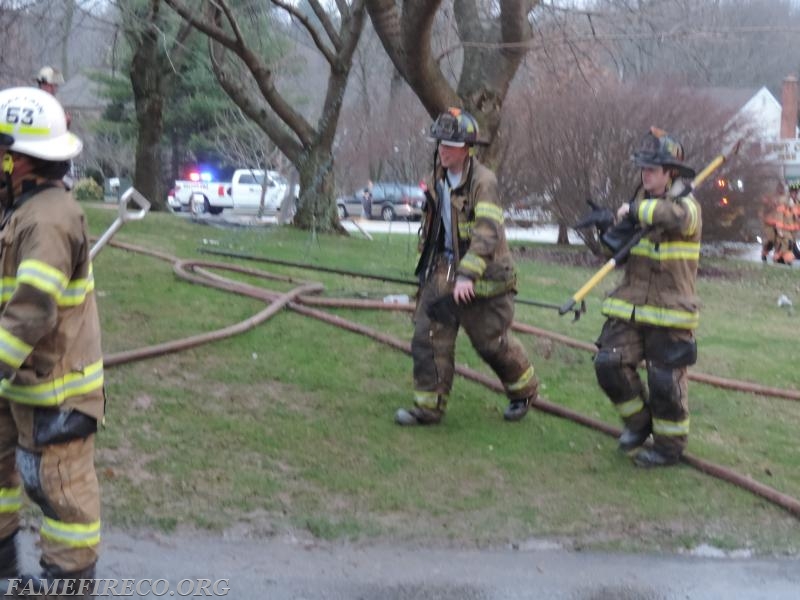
15,114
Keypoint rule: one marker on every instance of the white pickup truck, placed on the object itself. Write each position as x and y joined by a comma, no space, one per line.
242,193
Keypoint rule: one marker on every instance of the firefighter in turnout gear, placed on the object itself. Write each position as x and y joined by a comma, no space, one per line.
467,279
51,364
770,218
653,312
786,226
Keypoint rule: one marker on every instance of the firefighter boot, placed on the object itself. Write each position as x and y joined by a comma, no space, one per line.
630,440
651,457
75,584
420,415
8,557
517,409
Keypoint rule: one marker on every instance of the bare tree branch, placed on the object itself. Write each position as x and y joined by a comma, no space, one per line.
324,18
292,10
261,73
270,124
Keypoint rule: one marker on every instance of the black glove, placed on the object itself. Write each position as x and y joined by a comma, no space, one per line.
619,235
600,217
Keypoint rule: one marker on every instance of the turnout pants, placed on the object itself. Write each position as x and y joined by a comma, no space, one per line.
487,322
59,477
663,406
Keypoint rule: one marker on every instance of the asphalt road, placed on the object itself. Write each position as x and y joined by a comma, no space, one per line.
288,568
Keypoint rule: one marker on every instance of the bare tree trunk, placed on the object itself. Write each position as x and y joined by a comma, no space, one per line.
69,16
149,101
563,235
150,72
315,210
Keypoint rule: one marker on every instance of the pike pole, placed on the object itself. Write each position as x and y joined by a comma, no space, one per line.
124,215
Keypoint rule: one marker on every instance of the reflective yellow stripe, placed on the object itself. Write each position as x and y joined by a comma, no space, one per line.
473,263
522,382
7,128
691,207
73,295
664,427
487,289
53,393
489,210
667,250
464,230
667,317
77,290
10,499
9,285
74,535
617,308
429,400
651,315
13,351
646,210
42,276
631,407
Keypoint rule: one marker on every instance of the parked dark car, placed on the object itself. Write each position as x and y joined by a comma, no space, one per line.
390,201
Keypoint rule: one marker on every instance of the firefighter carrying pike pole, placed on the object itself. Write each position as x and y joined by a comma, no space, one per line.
652,314
621,238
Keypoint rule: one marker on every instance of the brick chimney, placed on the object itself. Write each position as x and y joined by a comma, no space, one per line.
789,108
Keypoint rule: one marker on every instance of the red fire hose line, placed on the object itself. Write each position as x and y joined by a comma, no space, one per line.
298,299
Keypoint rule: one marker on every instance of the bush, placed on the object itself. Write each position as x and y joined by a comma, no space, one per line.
87,190
96,175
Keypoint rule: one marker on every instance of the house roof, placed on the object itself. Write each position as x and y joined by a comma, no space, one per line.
81,93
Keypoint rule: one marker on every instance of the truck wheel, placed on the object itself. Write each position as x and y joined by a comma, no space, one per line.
214,210
387,213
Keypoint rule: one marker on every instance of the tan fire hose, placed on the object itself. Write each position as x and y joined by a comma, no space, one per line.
197,272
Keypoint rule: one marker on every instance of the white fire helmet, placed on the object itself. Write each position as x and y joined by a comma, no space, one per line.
38,125
50,75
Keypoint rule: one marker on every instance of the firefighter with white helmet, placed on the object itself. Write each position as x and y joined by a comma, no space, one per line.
51,364
48,79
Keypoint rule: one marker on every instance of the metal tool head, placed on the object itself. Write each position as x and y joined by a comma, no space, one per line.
132,195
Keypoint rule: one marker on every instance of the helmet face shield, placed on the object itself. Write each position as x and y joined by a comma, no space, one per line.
455,128
445,128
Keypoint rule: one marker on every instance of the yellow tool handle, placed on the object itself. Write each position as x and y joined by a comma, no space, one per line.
587,287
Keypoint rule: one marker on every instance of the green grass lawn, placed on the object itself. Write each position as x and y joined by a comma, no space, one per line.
290,425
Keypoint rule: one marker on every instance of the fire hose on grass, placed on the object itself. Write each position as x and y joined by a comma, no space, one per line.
198,272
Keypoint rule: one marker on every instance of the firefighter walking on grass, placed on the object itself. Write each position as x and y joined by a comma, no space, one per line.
467,279
51,364
653,312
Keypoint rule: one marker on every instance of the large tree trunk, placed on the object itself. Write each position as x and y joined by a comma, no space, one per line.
316,209
149,102
563,235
